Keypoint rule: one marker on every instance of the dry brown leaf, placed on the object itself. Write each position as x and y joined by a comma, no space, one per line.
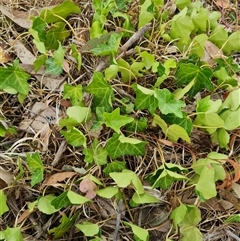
6,176
23,53
222,3
44,135
49,81
213,50
40,115
23,216
21,18
58,177
236,189
4,56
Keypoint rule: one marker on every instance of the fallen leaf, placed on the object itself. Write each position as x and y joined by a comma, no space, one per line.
21,18
58,177
88,186
23,216
213,50
6,176
224,4
40,115
25,56
4,56
45,134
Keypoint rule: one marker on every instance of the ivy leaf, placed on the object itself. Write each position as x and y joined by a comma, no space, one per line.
141,233
115,166
119,145
111,46
74,137
56,34
39,26
233,43
62,10
95,153
101,90
13,234
201,76
52,68
36,167
115,121
58,55
3,199
167,104
181,28
74,93
145,99
89,229
45,204
14,77
145,15
65,224
184,122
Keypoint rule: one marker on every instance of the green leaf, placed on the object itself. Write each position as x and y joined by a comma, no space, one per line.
119,145
62,10
205,186
232,101
45,206
101,90
74,137
107,192
39,44
139,125
111,46
233,43
75,198
178,214
191,233
184,122
14,77
61,201
198,45
123,179
223,138
148,59
233,218
3,200
39,62
141,233
231,119
56,34
13,234
218,36
143,198
89,229
52,68
145,15
145,99
115,166
167,104
174,132
201,76
115,121
77,56
65,224
39,32
58,55
95,153
200,19
74,93
181,28
111,72
36,167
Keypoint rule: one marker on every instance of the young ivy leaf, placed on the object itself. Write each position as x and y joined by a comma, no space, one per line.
36,167
14,77
74,93
95,153
52,68
119,145
167,104
101,90
115,166
74,137
115,121
201,76
58,55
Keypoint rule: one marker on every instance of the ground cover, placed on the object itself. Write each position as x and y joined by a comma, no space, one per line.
119,120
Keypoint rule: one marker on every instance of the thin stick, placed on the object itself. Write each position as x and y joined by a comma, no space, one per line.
119,210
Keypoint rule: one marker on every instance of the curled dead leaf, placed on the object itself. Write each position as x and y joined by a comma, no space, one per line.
58,177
